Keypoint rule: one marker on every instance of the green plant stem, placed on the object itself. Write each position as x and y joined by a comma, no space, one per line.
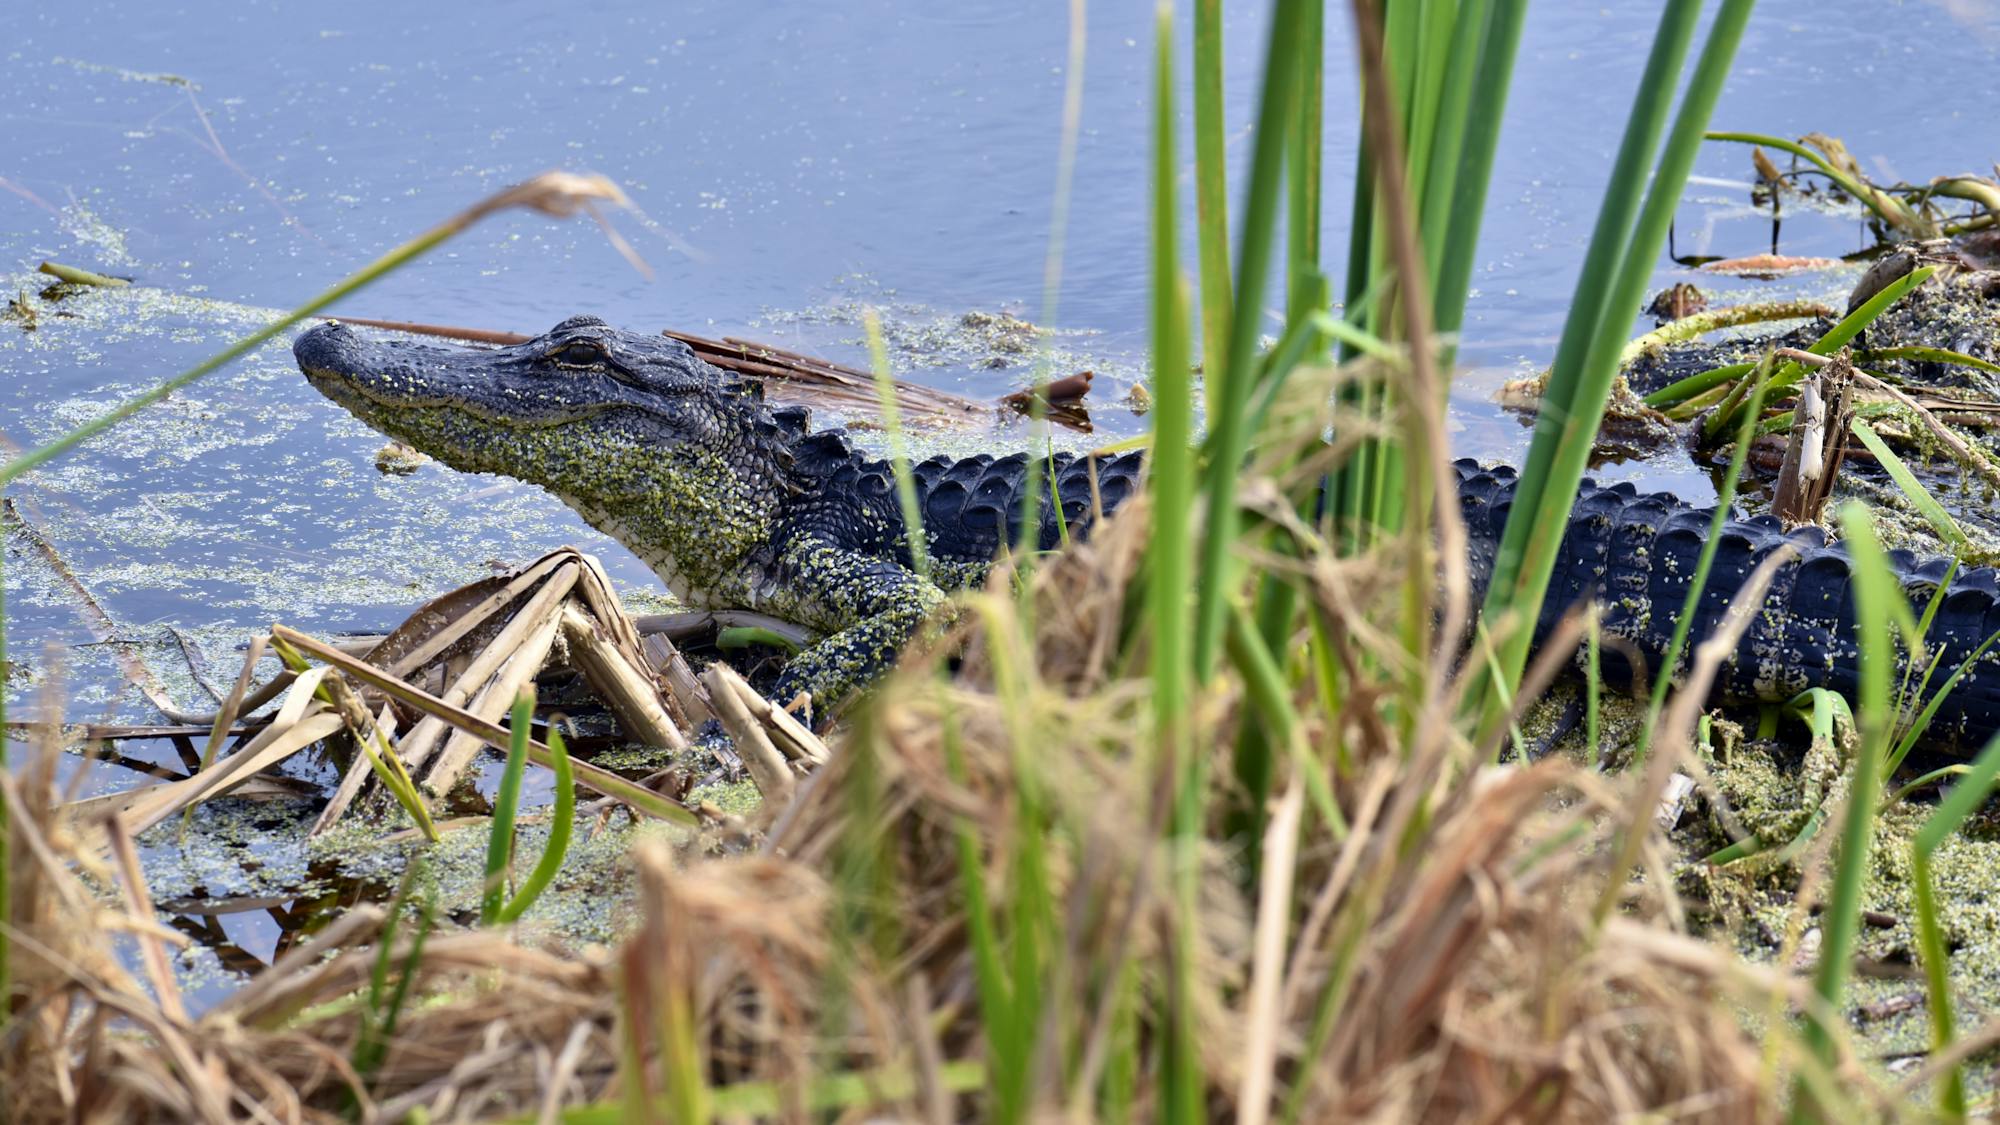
1953,809
1601,263
1173,494
500,836
1211,186
6,820
1525,562
1475,172
899,451
1890,209
1229,439
401,255
1875,589
562,824
1837,337
747,636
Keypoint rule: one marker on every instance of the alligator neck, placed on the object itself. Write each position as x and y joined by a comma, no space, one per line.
697,520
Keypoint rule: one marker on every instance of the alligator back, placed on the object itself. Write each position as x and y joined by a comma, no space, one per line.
972,506
1636,554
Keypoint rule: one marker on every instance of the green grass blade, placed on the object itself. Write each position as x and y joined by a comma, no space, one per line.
500,837
366,1055
1172,468
1302,169
379,757
1453,108
1229,438
1919,496
382,1014
1836,338
1684,389
1570,428
1173,494
1609,240
1725,500
1453,280
1891,209
1875,596
1927,355
1922,722
899,450
1960,803
1211,186
1593,687
562,824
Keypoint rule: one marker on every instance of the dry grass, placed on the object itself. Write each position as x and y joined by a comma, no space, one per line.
1429,952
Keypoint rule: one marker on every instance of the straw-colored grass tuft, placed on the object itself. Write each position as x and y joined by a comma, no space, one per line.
973,905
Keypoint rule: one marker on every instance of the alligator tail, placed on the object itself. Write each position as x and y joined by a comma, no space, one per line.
1636,554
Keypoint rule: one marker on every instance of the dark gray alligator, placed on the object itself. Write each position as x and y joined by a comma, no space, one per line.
732,503
736,504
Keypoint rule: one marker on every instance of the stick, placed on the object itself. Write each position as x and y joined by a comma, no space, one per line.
768,769
787,733
496,699
76,276
140,904
625,689
594,778
418,744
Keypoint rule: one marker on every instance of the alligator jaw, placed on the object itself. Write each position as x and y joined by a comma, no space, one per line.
675,459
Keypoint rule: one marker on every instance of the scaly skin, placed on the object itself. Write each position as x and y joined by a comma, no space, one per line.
1636,553
735,505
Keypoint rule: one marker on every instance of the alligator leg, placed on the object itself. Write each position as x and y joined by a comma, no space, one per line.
872,608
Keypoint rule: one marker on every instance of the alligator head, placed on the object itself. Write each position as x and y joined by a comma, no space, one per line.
675,458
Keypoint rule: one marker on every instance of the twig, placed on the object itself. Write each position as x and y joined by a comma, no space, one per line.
196,662
226,717
30,196
75,276
521,650
216,149
768,769
1961,451
630,694
422,739
471,618
140,905
786,733
94,617
591,777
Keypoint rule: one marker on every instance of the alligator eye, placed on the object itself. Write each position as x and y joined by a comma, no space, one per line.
579,353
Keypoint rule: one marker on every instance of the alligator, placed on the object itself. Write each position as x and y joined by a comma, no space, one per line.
737,504
734,504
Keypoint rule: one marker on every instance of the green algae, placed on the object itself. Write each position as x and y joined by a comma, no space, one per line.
737,798
1770,791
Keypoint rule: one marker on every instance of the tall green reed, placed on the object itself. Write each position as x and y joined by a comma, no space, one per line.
1616,269
1960,803
1878,602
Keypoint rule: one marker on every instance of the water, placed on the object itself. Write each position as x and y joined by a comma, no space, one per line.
790,164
